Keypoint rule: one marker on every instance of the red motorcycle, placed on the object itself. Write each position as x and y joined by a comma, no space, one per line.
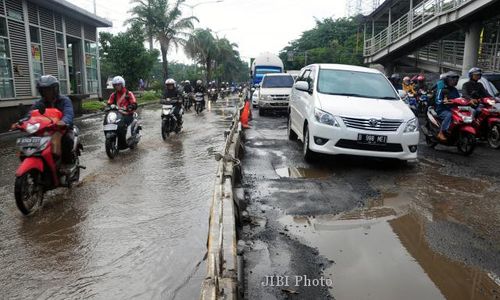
487,122
461,132
39,170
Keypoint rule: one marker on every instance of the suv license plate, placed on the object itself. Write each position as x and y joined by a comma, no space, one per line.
371,139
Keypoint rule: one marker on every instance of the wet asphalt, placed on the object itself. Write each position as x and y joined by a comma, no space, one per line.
134,228
378,229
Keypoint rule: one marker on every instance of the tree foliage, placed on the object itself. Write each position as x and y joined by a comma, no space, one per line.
162,20
124,54
330,41
218,56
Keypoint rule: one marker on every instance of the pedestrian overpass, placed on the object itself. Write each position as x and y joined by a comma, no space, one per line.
411,32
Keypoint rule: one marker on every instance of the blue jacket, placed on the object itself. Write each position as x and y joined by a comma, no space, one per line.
452,94
63,104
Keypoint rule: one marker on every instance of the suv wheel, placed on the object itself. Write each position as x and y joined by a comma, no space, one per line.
309,155
292,136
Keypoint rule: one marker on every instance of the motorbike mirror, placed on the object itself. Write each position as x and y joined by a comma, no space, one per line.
42,109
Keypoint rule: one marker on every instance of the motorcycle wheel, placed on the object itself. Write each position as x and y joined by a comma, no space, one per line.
76,176
466,143
494,136
164,130
111,148
429,140
28,192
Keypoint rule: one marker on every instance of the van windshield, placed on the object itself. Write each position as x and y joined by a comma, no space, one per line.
285,81
355,84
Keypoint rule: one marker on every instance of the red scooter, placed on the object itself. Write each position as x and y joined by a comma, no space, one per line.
461,132
39,170
487,122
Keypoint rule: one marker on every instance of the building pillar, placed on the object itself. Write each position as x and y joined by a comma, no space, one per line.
389,29
34,91
471,47
83,71
98,58
373,28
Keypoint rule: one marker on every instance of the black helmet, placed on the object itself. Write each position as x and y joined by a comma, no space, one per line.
476,71
395,76
452,75
47,81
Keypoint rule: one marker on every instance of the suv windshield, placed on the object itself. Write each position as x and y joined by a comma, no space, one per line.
285,81
355,84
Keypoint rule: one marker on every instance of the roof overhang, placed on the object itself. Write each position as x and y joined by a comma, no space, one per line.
68,9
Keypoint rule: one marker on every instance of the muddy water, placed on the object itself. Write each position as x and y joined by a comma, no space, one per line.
135,227
381,252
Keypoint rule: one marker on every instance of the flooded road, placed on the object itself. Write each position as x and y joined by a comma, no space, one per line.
376,228
134,228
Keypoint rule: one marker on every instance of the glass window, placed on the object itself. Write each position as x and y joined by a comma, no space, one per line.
3,27
6,88
4,48
355,84
91,67
5,68
35,34
60,40
15,14
278,82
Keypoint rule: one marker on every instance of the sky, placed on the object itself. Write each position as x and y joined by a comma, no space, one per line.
255,25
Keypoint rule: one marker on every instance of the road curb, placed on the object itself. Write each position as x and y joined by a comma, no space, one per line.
221,280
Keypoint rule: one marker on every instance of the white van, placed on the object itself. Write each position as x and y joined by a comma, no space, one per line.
274,92
340,109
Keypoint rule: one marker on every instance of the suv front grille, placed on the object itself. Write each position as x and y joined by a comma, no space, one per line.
280,97
349,144
372,124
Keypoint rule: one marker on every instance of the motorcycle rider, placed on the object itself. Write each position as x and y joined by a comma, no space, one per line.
420,85
48,87
124,99
199,88
171,92
473,89
408,86
188,88
394,79
446,89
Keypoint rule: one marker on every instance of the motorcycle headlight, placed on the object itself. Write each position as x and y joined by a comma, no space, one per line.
467,119
491,102
325,118
111,118
32,128
412,125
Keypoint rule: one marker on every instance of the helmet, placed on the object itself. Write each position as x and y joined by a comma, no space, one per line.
442,76
395,76
47,81
421,78
170,81
406,78
475,71
451,75
118,80
187,82
199,82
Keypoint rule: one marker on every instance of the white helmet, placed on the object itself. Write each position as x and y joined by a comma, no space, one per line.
198,82
118,80
170,81
187,82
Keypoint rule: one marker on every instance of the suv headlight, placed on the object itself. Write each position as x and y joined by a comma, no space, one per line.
325,118
412,125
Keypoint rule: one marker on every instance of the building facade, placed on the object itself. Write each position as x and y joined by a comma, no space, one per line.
46,37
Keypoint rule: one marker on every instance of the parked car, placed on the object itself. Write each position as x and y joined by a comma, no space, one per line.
274,92
341,109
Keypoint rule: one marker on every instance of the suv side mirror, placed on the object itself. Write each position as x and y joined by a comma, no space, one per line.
303,86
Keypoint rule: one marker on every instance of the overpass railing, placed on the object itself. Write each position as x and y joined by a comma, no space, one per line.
417,17
449,54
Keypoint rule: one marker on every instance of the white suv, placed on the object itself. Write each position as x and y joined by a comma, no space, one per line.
274,92
340,109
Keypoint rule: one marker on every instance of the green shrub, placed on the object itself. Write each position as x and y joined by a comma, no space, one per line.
93,106
149,96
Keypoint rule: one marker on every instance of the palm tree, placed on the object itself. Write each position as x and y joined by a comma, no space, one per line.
144,17
163,20
202,48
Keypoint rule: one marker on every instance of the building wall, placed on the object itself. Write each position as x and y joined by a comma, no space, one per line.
33,42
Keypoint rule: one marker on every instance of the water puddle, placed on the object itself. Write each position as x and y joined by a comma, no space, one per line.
380,252
292,172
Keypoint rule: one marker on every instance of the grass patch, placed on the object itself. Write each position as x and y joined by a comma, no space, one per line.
93,106
149,96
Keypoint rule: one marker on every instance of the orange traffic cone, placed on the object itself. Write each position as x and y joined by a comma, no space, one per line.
245,115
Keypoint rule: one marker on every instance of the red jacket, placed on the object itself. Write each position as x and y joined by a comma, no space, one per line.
123,99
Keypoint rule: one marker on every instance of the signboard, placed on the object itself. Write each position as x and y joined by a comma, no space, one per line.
36,52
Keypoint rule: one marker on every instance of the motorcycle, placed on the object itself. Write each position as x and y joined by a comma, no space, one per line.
198,103
423,102
187,100
223,93
118,135
411,100
169,122
40,171
487,122
462,133
213,94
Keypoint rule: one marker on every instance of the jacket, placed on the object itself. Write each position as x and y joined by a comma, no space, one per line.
123,99
445,91
474,90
